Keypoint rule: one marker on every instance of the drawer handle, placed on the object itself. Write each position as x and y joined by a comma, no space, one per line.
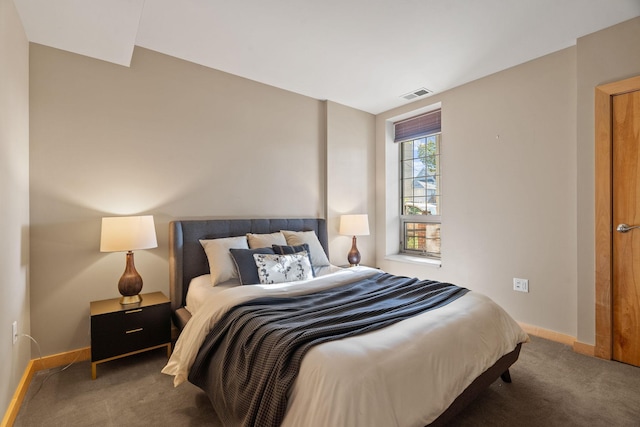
133,330
133,311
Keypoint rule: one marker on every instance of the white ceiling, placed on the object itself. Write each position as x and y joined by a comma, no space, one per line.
360,53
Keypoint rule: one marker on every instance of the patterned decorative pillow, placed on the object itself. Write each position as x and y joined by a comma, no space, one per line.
283,268
287,250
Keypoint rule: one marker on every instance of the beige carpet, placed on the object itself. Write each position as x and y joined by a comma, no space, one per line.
552,386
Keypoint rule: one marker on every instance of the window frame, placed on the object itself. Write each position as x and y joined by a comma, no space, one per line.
408,219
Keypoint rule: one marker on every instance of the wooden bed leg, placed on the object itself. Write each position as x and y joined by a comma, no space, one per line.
506,376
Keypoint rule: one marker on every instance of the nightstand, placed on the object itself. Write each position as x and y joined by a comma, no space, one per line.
122,330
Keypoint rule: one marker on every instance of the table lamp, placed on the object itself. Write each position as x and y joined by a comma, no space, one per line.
127,234
354,225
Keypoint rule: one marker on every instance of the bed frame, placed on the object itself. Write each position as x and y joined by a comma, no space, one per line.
187,260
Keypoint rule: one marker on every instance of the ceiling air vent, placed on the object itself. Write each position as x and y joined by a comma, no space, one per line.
416,93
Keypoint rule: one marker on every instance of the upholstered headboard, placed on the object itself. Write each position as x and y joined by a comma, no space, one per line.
187,258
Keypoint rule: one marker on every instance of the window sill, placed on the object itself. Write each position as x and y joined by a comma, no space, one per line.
414,260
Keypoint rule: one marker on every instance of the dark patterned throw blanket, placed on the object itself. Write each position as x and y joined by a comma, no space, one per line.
252,356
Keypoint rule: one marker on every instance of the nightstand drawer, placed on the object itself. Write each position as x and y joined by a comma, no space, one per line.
126,331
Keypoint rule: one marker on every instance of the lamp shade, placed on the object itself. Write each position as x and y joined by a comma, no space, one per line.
128,233
354,225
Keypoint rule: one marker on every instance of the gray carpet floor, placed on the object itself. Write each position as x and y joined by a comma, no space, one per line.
552,386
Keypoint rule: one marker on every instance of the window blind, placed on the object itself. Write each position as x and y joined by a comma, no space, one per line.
417,127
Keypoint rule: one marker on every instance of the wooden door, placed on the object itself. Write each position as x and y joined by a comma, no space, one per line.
626,210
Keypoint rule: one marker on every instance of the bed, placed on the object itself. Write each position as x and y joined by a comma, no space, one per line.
419,371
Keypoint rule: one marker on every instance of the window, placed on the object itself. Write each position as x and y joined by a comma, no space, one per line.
420,182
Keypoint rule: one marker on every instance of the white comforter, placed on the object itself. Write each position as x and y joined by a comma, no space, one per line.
406,374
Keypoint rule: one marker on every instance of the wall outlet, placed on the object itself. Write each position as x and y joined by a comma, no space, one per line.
520,285
14,331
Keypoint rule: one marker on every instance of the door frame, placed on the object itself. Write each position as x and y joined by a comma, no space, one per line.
603,211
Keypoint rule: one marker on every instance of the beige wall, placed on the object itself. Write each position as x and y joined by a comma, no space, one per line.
508,183
164,137
350,177
14,199
603,57
518,173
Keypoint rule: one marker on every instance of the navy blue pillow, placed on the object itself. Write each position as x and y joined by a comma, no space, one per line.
246,265
288,250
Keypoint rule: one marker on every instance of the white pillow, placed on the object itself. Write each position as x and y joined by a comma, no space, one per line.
283,268
266,240
221,264
295,238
